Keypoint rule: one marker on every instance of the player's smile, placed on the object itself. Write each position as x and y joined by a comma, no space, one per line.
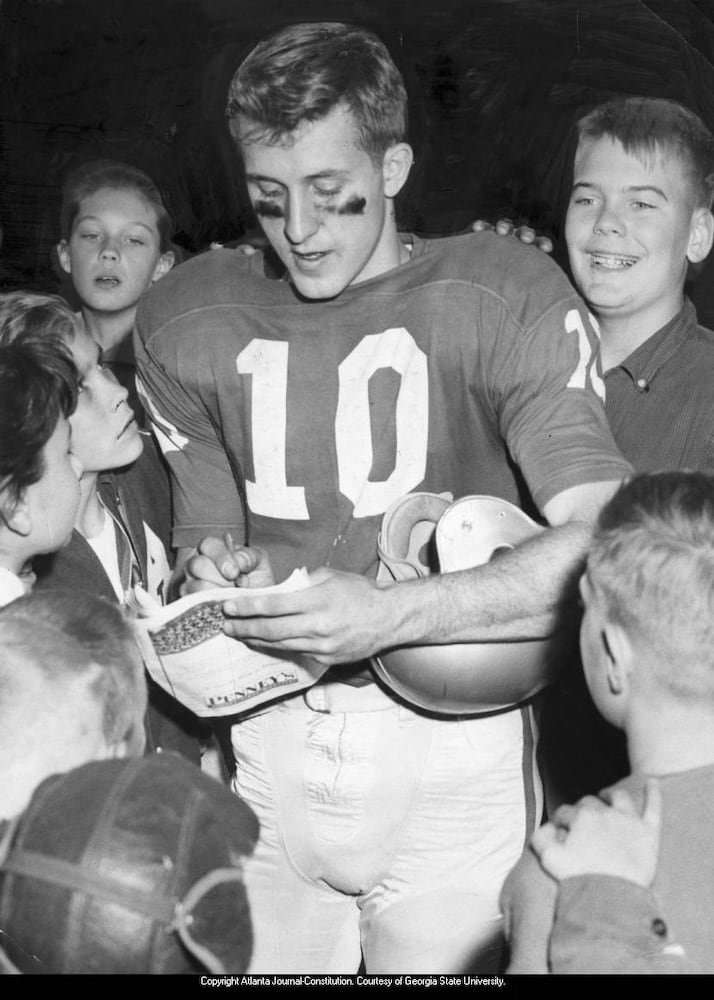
310,261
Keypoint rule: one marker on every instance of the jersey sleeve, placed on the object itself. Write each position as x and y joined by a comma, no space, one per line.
206,490
549,396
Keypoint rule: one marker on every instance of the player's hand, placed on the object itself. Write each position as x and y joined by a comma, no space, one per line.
218,562
336,619
594,838
505,227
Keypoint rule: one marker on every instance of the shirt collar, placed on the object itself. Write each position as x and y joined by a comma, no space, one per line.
645,362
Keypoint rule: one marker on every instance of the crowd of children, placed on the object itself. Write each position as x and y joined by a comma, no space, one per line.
360,831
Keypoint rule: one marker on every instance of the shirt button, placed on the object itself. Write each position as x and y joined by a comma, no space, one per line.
659,927
641,384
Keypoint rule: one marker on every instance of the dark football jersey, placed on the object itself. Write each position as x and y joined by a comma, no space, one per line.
470,369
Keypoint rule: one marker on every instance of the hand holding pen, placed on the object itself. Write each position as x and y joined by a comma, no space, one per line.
219,562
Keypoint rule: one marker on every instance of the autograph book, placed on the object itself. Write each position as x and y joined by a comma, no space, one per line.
189,656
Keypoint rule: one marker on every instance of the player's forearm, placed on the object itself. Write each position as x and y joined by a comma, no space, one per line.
519,595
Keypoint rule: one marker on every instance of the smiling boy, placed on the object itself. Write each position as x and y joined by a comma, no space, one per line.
298,394
639,215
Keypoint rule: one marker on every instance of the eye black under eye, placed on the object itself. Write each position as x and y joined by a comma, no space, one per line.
268,209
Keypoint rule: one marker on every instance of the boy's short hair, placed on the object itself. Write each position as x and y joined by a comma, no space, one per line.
61,635
651,561
301,73
644,125
38,386
95,175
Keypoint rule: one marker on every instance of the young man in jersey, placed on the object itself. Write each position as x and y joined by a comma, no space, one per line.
298,394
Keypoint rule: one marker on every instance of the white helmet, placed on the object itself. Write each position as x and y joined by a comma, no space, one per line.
424,533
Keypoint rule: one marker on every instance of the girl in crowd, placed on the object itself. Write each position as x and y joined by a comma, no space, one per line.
116,242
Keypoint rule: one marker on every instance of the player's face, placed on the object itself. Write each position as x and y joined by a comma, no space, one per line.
54,499
104,430
324,204
631,227
113,253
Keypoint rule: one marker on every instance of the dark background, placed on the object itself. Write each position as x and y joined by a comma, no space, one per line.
495,86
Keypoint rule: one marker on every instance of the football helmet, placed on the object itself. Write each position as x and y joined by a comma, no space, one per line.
423,533
127,866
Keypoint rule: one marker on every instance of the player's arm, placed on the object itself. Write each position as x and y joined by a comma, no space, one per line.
344,617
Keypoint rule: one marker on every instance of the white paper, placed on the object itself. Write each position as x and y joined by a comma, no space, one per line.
187,653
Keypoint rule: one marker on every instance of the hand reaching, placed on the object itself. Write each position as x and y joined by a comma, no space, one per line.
594,838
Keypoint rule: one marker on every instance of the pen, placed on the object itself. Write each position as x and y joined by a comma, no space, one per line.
233,566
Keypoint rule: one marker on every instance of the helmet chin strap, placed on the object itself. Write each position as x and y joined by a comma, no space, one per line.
178,914
183,915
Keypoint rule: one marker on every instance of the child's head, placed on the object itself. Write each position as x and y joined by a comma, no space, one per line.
652,127
318,112
39,488
649,593
73,688
639,212
105,434
116,234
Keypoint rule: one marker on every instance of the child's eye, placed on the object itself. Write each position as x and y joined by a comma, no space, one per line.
107,371
136,241
269,193
89,236
642,204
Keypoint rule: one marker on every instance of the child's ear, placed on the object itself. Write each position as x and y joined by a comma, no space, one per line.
18,517
618,656
166,262
63,256
701,235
